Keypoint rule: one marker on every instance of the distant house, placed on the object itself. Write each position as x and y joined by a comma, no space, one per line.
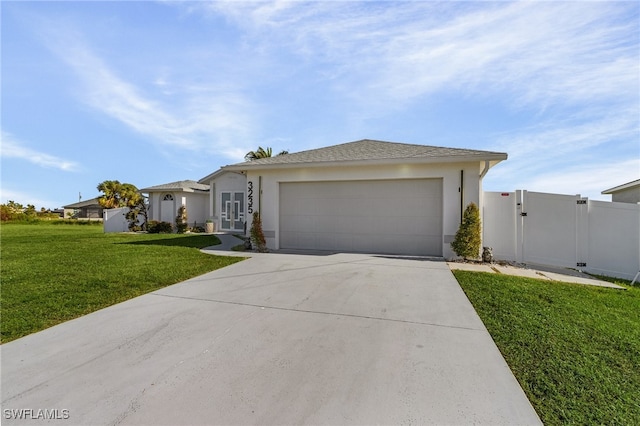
166,199
84,210
625,193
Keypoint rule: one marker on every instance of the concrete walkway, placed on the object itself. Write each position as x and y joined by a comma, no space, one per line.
274,339
541,272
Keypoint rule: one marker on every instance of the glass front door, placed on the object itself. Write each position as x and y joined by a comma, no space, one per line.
232,215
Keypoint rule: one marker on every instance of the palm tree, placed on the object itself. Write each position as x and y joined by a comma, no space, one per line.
117,194
262,153
258,154
111,197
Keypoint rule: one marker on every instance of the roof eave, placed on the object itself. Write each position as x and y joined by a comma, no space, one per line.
152,189
621,187
207,179
494,158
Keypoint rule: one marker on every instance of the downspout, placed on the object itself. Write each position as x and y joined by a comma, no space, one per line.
487,166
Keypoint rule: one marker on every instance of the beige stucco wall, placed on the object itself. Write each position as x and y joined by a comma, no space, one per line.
448,172
226,182
629,195
196,203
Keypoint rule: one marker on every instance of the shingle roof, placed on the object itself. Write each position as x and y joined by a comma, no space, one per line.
627,185
182,185
372,150
85,203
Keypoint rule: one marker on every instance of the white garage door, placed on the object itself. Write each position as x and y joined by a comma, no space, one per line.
377,216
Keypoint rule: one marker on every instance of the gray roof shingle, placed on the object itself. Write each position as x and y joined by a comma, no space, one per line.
371,150
182,185
85,203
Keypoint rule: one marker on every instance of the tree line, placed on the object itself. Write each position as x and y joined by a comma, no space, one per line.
13,211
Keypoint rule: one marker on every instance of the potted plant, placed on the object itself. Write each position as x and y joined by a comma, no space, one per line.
209,226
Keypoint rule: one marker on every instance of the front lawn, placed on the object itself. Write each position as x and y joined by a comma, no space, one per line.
574,349
54,273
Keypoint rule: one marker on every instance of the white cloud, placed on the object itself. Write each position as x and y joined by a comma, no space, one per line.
557,138
538,53
587,179
570,156
205,118
13,148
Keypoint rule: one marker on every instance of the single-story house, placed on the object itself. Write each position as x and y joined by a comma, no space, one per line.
625,193
86,210
363,196
166,199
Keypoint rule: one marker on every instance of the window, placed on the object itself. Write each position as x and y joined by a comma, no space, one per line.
167,197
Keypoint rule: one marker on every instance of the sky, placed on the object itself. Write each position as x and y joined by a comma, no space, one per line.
151,92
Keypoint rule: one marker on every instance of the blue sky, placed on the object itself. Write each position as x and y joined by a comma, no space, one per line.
153,92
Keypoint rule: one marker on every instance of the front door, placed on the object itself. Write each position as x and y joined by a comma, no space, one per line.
232,214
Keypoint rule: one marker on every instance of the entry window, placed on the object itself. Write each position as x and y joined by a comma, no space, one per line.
167,197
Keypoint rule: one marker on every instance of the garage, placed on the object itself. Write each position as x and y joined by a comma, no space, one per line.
400,216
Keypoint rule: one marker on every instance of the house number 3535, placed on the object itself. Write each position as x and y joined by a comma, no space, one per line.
250,197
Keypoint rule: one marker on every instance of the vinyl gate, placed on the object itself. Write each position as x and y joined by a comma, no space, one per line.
563,230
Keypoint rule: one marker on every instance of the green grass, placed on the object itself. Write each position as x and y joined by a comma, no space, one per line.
574,349
54,273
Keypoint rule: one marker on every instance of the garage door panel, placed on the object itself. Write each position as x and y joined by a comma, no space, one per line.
426,226
380,216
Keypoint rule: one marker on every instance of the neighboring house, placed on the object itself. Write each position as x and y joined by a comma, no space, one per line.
364,196
87,210
166,199
626,193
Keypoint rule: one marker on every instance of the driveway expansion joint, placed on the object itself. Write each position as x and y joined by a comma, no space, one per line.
279,308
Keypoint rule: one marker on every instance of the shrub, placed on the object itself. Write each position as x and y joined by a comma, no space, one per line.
468,239
257,236
181,220
155,227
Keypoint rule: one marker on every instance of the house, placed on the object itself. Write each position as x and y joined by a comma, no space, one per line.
625,193
84,210
166,199
228,198
363,196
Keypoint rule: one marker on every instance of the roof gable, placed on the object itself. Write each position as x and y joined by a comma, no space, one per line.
372,150
214,175
182,185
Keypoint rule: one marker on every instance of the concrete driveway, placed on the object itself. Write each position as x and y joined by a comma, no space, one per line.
275,339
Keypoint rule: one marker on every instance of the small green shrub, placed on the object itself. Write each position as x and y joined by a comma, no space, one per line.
468,239
155,227
181,220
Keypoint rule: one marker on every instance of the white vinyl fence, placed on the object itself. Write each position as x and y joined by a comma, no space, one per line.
563,230
114,220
